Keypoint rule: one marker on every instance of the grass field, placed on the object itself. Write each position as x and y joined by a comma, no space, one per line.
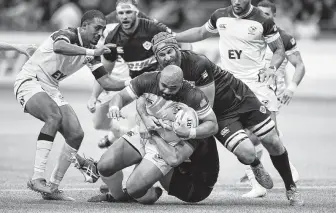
307,126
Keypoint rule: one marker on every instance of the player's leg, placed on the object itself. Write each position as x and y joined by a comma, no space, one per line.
37,102
124,152
232,135
267,134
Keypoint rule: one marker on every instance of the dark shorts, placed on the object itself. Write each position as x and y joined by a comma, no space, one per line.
250,114
193,181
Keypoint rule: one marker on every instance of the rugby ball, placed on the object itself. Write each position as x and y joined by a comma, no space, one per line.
187,118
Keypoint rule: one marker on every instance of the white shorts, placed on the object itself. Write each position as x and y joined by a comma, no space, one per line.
146,149
27,85
265,95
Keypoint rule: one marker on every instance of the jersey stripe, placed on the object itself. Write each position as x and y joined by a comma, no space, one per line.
272,38
131,92
291,51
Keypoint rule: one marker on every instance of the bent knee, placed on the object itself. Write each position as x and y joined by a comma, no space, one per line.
245,151
134,189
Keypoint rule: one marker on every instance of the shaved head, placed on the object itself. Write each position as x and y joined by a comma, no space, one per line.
171,81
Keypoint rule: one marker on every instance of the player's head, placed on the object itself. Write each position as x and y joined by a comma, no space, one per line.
240,6
171,81
166,49
268,8
127,13
93,24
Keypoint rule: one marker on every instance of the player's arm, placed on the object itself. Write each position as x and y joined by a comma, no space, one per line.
65,48
96,91
209,91
195,34
149,121
16,47
172,155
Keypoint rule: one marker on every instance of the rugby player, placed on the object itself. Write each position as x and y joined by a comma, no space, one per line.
236,108
189,181
245,32
36,89
283,91
133,36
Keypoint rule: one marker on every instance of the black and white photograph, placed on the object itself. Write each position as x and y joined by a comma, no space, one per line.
167,106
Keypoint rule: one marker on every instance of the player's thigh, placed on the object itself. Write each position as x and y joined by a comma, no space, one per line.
265,95
34,100
118,156
143,177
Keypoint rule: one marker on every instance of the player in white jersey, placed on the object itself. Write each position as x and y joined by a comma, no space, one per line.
283,91
245,32
37,89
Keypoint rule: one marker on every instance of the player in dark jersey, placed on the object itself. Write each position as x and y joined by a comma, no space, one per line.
180,182
236,108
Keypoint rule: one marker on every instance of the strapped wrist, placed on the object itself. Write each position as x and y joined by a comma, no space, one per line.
90,52
292,86
113,107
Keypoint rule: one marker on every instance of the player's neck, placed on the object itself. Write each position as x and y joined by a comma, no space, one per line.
245,13
132,29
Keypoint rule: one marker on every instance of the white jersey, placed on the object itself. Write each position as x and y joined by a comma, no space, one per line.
243,40
290,48
50,67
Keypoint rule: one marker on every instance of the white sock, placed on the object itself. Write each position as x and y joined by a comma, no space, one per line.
63,163
259,150
43,149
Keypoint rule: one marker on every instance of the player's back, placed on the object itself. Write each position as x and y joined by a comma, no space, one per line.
50,67
242,43
137,46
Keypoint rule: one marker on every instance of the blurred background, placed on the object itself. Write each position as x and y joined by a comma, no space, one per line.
311,22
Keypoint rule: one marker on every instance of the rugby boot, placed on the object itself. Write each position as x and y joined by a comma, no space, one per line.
104,142
57,195
294,197
39,185
87,166
257,190
262,176
103,197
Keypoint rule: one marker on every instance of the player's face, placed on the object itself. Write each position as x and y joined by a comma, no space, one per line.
167,57
168,89
268,12
127,18
240,6
93,30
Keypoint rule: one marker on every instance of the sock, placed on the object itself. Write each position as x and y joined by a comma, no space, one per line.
43,147
114,184
281,163
63,163
259,151
149,198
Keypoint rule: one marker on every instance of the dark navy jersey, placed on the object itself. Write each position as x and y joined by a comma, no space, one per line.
229,91
137,46
289,41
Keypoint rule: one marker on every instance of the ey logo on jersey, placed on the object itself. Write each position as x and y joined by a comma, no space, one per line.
58,75
147,45
234,54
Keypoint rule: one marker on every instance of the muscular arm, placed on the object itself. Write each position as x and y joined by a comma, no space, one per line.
194,34
173,155
96,90
141,107
296,60
278,50
208,126
16,47
209,91
65,48
121,99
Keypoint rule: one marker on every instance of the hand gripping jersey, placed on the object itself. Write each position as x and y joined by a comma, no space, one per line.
290,48
201,72
148,84
137,47
243,40
50,67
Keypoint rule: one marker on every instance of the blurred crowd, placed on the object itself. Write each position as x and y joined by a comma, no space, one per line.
302,18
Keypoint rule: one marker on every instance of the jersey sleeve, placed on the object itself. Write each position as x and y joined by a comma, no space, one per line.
140,85
66,35
204,72
211,25
289,44
270,32
199,102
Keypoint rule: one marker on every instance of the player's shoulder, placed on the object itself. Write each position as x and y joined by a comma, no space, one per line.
287,39
152,26
259,16
192,57
68,34
222,12
113,31
192,95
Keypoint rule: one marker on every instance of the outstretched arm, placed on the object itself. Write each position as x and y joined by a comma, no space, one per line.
23,49
194,35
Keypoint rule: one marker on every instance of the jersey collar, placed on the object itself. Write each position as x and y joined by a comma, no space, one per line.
244,15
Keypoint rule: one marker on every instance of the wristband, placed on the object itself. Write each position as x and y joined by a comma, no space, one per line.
127,82
113,107
192,133
90,52
292,86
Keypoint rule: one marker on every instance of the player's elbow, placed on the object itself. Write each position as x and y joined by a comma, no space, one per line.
174,161
57,47
214,128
